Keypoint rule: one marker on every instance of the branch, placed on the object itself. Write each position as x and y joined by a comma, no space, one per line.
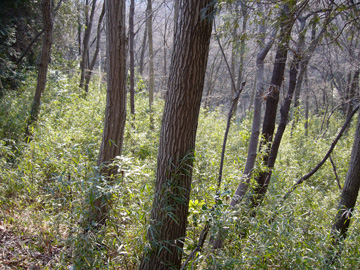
318,166
231,112
37,35
335,172
200,245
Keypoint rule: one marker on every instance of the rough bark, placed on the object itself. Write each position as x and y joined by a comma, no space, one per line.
348,198
115,112
43,65
166,233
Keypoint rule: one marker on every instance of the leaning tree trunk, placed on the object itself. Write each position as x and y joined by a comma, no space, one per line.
43,65
167,230
272,98
255,129
348,199
115,112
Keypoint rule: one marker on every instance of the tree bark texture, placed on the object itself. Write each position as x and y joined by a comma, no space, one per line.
349,193
115,112
167,230
43,65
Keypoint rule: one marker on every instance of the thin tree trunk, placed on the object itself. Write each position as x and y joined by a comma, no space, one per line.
255,129
84,63
151,55
132,57
143,49
115,112
167,230
43,65
272,98
306,124
88,72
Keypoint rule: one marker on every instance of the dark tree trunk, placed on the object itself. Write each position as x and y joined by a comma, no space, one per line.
84,63
88,72
115,112
132,57
167,230
43,65
142,53
348,198
272,98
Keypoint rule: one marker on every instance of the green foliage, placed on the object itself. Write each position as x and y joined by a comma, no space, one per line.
55,177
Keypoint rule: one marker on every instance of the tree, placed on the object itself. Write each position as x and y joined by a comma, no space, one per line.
132,58
348,198
89,70
43,65
84,63
255,129
149,17
166,233
287,19
115,113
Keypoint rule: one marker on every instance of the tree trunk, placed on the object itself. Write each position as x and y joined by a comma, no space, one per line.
88,72
151,54
348,198
142,53
43,65
132,57
255,129
272,97
115,112
167,230
84,63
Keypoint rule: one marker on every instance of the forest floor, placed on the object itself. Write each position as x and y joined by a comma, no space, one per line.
23,246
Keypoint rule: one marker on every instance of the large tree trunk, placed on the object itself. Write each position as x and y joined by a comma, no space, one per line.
84,63
167,230
43,65
115,113
348,197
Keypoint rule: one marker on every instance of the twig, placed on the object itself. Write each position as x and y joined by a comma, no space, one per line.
231,112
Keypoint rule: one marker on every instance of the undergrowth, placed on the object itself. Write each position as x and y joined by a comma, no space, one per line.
45,187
